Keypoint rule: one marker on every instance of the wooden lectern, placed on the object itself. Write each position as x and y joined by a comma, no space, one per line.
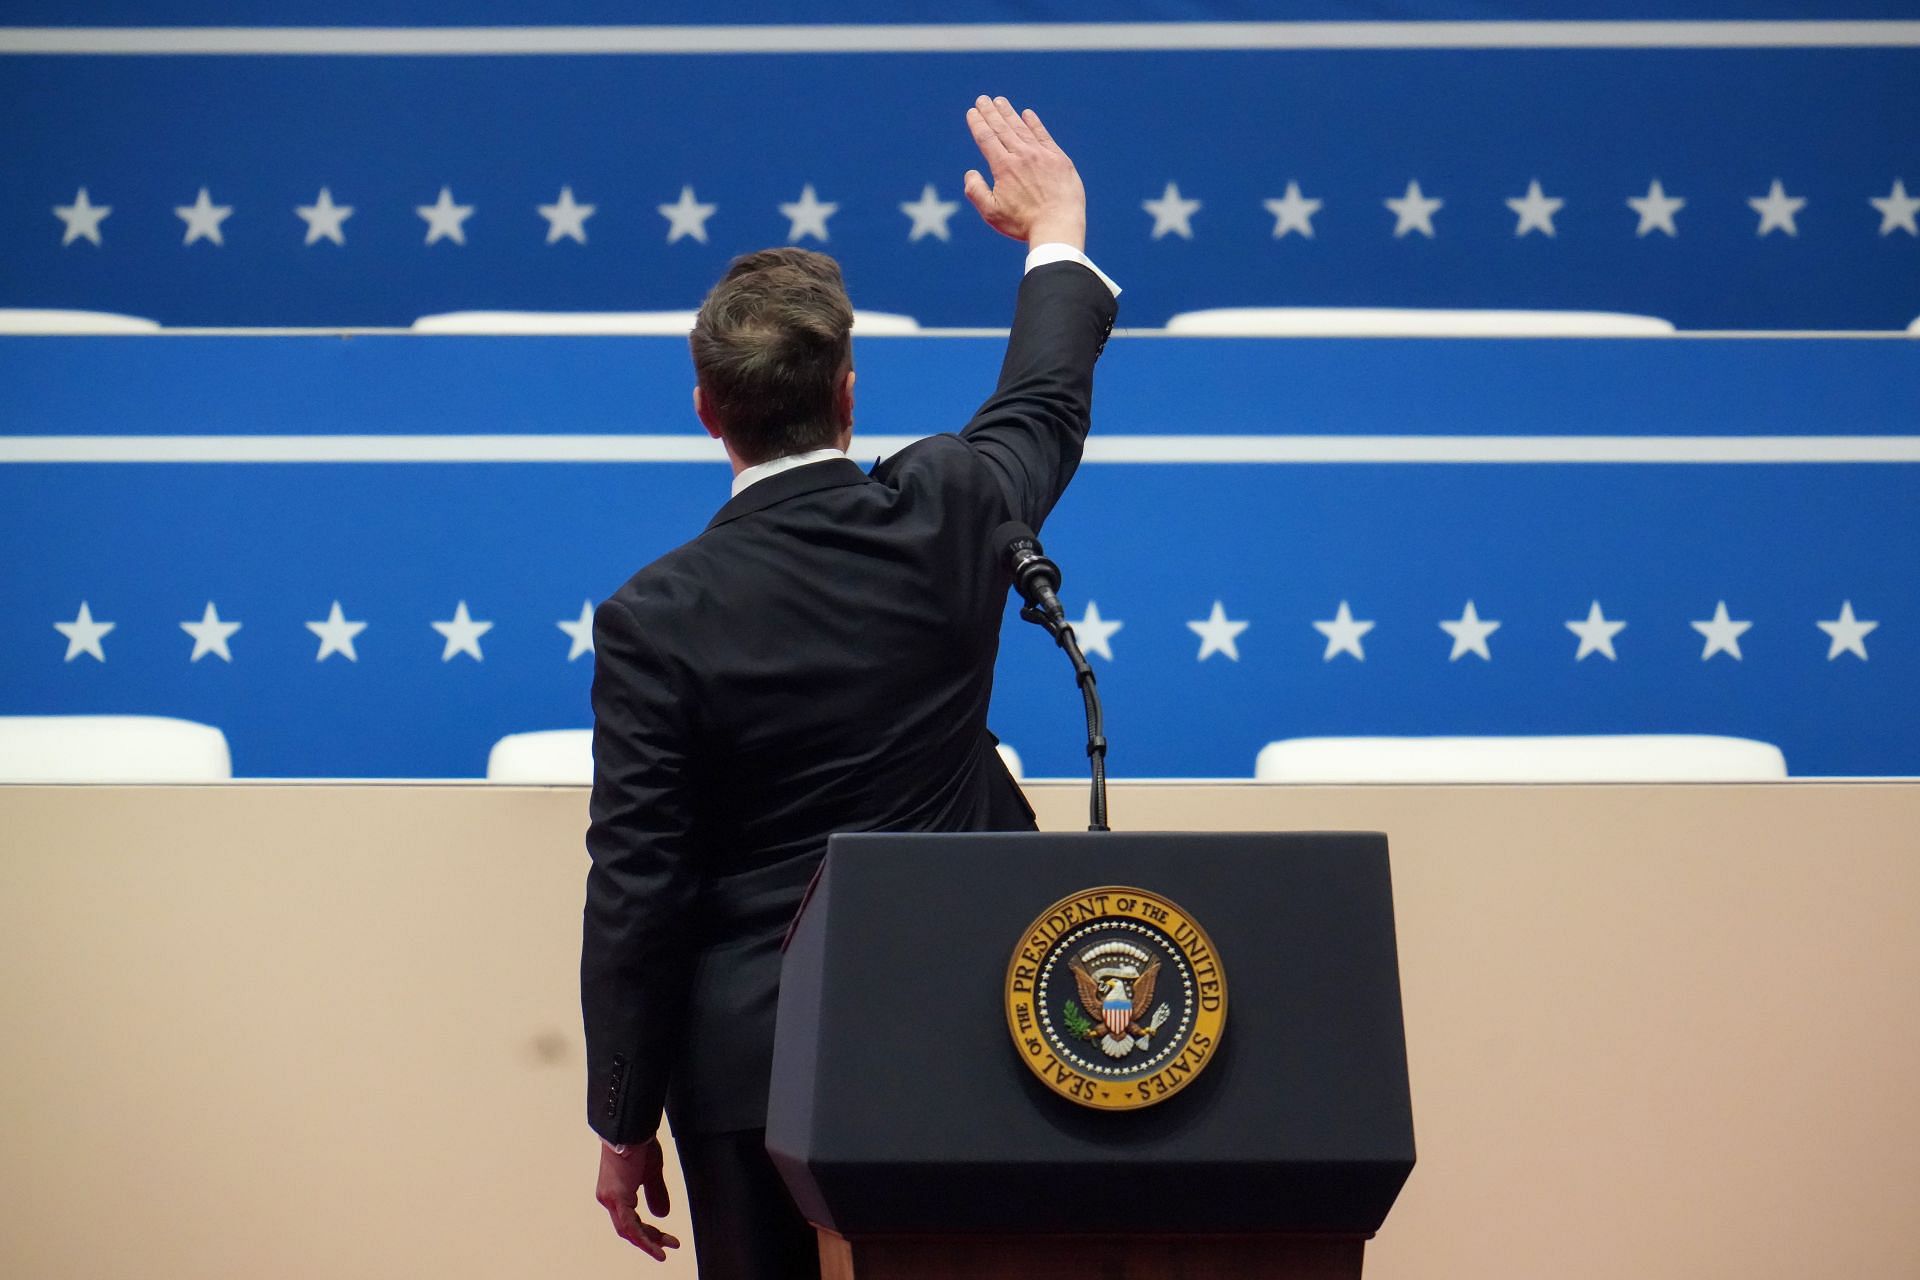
920,1143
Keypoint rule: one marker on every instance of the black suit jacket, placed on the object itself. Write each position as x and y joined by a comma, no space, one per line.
818,660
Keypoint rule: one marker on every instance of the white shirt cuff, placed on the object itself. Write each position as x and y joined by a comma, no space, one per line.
1055,251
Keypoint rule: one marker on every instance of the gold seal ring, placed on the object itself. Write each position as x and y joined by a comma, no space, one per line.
1116,998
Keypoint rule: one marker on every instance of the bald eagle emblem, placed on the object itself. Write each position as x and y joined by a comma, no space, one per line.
1115,981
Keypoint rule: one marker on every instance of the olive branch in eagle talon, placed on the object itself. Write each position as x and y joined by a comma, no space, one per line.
1118,1020
1078,1023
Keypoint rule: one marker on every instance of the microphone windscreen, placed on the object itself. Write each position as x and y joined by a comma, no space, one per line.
1011,535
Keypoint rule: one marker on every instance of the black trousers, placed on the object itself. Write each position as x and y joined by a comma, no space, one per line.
745,1226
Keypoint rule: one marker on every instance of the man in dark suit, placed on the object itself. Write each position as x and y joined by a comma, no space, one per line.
819,659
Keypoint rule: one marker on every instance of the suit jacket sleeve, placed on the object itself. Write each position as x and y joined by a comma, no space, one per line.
1031,431
636,951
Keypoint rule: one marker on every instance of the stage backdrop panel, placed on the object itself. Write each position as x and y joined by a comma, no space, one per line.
1269,538
1652,1032
1640,166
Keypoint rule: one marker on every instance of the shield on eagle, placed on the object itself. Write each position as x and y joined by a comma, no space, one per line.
1117,1008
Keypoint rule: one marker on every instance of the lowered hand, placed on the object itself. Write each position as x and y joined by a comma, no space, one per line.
622,1178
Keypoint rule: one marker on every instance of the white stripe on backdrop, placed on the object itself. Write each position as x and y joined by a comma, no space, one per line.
956,38
1115,449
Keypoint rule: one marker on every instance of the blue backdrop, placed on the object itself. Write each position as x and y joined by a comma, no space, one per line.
383,136
147,545
1788,198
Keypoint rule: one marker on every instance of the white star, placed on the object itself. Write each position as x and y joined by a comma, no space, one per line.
336,635
1536,210
445,219
807,216
1777,209
1722,633
462,633
210,635
1897,210
1847,632
323,218
1171,213
687,217
1095,633
1596,633
83,634
580,630
1292,212
1413,212
1217,634
930,214
82,219
565,218
1343,634
203,218
1469,634
1656,210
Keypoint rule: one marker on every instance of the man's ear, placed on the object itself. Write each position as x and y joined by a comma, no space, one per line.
844,406
703,412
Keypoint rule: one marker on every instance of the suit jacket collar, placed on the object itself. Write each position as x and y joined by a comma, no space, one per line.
813,477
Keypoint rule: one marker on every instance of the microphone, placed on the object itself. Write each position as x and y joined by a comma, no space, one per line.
1035,577
1038,581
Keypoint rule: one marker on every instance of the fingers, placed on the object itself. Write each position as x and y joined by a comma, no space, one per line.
1032,118
657,1202
627,1225
1011,127
1003,123
985,136
650,1240
978,193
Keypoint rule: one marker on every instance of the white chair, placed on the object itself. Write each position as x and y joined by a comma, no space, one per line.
629,323
1600,758
111,749
34,320
553,757
562,756
1012,759
1398,322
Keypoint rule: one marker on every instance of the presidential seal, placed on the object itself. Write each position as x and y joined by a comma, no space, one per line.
1115,998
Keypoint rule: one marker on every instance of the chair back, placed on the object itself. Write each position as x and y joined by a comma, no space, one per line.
42,320
551,757
1597,758
627,323
1406,322
111,749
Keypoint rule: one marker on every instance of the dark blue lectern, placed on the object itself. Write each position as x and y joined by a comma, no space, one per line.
916,1136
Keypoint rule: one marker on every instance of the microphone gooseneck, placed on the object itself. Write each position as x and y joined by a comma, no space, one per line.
1038,581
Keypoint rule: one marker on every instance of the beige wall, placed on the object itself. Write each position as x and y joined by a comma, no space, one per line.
305,1031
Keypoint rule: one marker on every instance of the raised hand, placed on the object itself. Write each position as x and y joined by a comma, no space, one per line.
1036,194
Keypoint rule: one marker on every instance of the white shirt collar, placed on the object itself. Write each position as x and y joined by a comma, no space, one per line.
774,466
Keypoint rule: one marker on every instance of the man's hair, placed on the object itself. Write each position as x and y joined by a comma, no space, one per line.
771,343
